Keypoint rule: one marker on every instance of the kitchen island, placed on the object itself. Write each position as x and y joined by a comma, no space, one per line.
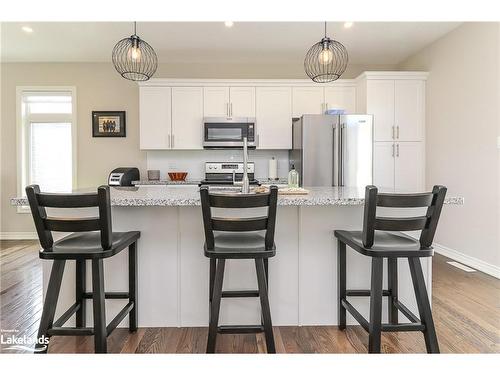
173,272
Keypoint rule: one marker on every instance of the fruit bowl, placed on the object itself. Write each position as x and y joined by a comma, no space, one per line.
177,176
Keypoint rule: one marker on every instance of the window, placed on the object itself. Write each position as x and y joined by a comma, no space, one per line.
47,139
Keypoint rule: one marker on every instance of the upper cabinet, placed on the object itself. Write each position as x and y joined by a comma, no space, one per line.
409,109
308,100
187,118
318,99
242,102
216,101
397,102
155,117
341,97
274,117
172,110
221,101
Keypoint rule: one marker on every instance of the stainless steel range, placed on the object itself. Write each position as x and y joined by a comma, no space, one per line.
227,173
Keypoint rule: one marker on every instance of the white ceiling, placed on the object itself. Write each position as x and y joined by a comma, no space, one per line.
249,42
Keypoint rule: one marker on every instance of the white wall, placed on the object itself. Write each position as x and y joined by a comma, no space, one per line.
462,126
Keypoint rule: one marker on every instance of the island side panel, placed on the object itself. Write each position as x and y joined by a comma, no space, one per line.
318,267
240,274
157,257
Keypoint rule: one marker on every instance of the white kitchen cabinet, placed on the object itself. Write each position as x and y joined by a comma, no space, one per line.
308,100
274,117
216,101
399,166
155,109
383,164
380,104
242,102
409,166
409,112
341,97
187,118
229,101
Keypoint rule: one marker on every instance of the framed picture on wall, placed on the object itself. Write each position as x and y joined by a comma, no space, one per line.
108,124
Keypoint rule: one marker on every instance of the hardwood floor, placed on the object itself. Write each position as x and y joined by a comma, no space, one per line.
466,308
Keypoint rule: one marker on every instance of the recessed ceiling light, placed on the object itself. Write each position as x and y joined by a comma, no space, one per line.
27,29
348,25
229,23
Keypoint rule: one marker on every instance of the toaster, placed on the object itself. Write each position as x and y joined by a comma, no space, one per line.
123,176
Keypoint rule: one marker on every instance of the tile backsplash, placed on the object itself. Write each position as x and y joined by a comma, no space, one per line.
193,161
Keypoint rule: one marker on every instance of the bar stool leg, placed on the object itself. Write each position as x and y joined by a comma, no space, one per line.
341,283
81,270
423,304
213,265
392,285
264,303
100,333
375,328
132,286
50,303
215,306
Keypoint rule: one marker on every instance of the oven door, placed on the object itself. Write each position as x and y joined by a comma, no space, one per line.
228,133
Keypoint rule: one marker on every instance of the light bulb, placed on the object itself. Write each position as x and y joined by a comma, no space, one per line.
325,57
134,53
229,23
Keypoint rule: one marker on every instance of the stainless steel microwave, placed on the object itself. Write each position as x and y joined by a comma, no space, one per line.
224,132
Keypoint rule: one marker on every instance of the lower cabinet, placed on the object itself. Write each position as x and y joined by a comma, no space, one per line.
399,166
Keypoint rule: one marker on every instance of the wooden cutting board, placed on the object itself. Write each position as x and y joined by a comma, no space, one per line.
293,191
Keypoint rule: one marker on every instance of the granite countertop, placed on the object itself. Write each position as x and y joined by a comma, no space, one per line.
264,181
188,195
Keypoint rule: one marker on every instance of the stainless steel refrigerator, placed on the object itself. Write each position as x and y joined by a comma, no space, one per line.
333,150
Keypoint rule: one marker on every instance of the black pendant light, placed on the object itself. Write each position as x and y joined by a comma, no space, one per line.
326,61
134,59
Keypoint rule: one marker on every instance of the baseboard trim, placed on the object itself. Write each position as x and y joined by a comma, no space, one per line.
18,236
472,262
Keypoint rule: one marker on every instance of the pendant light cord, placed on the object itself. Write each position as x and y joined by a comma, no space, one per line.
135,28
325,29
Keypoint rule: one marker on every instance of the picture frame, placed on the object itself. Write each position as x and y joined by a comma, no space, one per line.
108,124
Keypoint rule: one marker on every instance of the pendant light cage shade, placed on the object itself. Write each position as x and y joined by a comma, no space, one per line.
326,61
134,59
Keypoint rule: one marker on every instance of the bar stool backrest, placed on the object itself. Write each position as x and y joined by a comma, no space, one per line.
247,224
426,223
46,224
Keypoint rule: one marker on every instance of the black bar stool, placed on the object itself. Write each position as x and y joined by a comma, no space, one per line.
81,247
246,244
379,240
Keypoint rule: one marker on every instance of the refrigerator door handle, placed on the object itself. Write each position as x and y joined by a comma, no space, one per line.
341,155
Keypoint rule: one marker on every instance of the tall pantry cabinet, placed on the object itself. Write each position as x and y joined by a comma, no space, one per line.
397,102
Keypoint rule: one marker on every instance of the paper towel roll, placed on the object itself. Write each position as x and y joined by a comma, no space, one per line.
273,169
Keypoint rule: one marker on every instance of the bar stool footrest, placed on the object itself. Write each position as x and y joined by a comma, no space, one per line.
240,329
240,293
108,295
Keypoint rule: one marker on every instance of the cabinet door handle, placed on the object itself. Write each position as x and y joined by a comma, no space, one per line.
397,150
169,141
173,141
397,132
326,107
231,110
393,150
227,109
393,132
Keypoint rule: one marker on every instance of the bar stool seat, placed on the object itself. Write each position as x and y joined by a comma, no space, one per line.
88,246
239,246
385,244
